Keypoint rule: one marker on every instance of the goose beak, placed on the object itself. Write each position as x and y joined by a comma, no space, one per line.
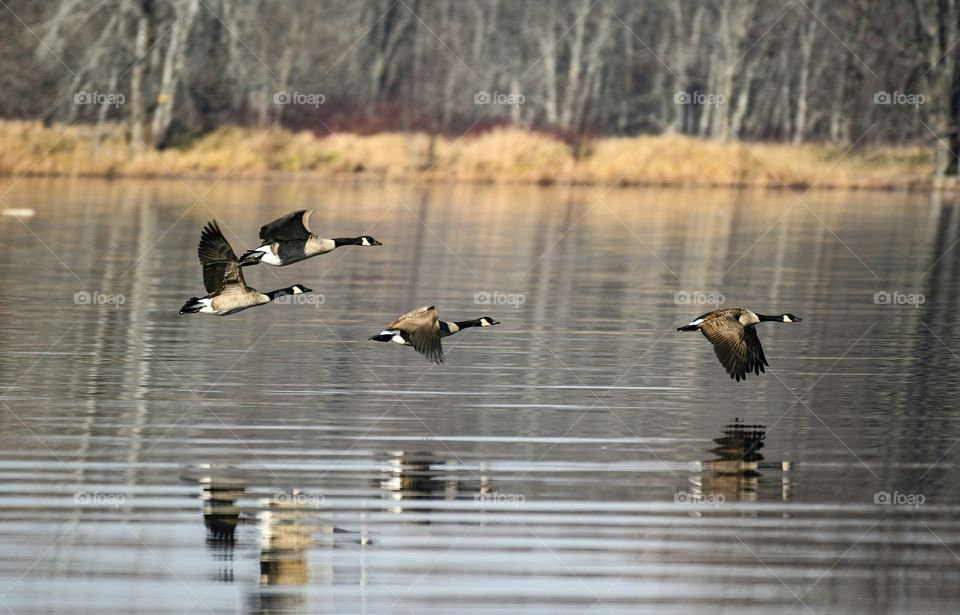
797,319
377,243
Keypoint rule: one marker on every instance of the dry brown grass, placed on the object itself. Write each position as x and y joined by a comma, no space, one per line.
502,155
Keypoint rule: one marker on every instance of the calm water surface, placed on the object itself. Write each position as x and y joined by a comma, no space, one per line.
580,457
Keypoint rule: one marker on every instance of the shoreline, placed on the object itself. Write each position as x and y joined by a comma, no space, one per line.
913,185
509,156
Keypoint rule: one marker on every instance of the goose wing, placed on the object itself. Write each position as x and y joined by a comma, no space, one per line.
426,313
292,226
221,269
755,351
422,328
737,347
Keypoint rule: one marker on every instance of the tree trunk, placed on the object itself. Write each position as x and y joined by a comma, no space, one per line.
575,66
138,112
103,110
939,22
808,34
172,69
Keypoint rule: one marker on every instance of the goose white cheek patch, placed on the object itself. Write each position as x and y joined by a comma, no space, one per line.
268,256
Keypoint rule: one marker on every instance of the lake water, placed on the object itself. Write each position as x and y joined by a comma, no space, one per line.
580,457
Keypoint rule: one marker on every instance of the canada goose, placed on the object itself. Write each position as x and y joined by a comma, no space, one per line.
288,239
422,329
419,328
223,279
734,339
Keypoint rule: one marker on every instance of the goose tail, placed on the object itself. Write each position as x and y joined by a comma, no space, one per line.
251,257
192,306
688,328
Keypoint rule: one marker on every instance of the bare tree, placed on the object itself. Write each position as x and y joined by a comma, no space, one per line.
173,63
776,69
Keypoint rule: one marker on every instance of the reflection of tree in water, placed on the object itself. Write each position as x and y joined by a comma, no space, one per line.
422,475
738,472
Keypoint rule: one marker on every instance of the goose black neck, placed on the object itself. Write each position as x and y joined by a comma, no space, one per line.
463,324
274,294
347,241
765,318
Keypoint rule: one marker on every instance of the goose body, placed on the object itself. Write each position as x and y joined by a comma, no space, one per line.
423,329
288,239
734,339
419,328
228,292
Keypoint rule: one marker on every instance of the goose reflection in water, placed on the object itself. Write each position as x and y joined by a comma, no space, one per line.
291,524
422,475
738,471
284,538
221,516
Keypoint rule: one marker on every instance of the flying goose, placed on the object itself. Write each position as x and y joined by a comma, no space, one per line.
419,328
423,329
734,339
288,239
223,279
